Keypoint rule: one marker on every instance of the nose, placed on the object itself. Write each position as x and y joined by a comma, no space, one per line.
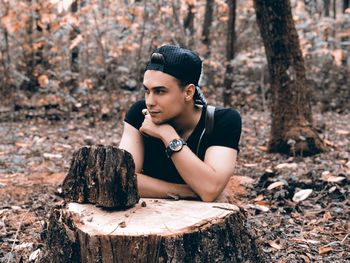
150,100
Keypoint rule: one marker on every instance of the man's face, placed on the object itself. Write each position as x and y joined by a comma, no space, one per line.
164,97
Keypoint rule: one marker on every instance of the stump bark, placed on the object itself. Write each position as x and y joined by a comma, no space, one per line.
155,230
102,175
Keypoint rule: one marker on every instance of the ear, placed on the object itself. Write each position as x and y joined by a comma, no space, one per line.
189,92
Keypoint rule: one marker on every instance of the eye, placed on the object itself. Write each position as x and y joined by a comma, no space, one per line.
160,92
145,90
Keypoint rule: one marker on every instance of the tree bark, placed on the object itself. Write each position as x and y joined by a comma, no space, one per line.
189,24
326,5
102,175
291,128
153,231
208,19
230,52
346,5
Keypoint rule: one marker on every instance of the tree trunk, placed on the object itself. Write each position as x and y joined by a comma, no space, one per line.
208,19
74,64
230,52
189,24
102,175
291,128
153,231
311,6
346,5
326,5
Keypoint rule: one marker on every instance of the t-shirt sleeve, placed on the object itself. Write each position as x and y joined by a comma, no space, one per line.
134,115
227,129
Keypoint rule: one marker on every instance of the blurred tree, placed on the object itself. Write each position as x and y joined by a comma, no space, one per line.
189,23
74,33
291,129
230,52
208,19
346,4
311,6
326,5
5,57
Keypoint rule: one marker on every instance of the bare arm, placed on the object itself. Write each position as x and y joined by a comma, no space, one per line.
206,178
148,186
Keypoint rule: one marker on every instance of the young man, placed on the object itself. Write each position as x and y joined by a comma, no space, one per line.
163,132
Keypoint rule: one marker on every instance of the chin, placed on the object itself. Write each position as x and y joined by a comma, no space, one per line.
158,121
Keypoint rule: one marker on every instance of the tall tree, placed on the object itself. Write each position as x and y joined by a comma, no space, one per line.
208,19
326,5
346,5
189,23
230,52
75,32
291,129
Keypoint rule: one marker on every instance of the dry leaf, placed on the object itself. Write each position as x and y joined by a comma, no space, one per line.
259,198
286,166
259,207
275,185
306,240
301,195
263,148
274,244
43,80
324,250
248,165
342,132
327,215
328,177
334,179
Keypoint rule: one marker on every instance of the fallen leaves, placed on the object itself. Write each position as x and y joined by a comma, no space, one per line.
274,244
328,177
291,166
275,185
324,250
302,195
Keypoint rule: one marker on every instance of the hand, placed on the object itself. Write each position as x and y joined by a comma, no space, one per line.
160,131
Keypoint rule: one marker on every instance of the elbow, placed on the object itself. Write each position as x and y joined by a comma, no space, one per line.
210,194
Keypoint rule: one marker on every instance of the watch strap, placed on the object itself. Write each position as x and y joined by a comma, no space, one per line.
169,151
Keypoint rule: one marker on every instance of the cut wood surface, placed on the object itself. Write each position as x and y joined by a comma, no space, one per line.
154,230
159,216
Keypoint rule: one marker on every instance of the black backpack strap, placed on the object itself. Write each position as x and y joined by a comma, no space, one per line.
209,125
209,119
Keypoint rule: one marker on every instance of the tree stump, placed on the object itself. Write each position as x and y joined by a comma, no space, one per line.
154,230
102,175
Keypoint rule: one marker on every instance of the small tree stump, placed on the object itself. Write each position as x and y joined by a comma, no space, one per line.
102,175
155,230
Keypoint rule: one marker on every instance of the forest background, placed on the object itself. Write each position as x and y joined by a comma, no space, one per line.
71,69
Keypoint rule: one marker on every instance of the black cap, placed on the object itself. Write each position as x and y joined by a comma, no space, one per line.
180,63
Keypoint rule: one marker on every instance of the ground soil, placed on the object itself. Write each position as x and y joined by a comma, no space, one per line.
291,226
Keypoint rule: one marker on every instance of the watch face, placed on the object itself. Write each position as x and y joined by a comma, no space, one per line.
176,145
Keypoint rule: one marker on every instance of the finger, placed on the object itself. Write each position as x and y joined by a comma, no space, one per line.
145,112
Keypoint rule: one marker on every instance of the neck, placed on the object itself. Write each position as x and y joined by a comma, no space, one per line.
187,121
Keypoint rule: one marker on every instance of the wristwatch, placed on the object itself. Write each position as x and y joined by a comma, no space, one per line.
174,146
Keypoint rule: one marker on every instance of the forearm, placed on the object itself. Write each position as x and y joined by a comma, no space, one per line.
155,188
201,177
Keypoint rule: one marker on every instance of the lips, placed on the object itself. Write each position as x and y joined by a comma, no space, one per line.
154,113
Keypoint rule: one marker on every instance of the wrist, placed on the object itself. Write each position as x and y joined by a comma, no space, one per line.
169,135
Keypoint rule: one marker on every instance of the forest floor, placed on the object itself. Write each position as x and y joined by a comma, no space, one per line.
35,156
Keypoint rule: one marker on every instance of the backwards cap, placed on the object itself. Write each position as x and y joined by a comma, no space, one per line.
180,63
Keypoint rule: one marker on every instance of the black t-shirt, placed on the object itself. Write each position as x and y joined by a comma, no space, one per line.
226,132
